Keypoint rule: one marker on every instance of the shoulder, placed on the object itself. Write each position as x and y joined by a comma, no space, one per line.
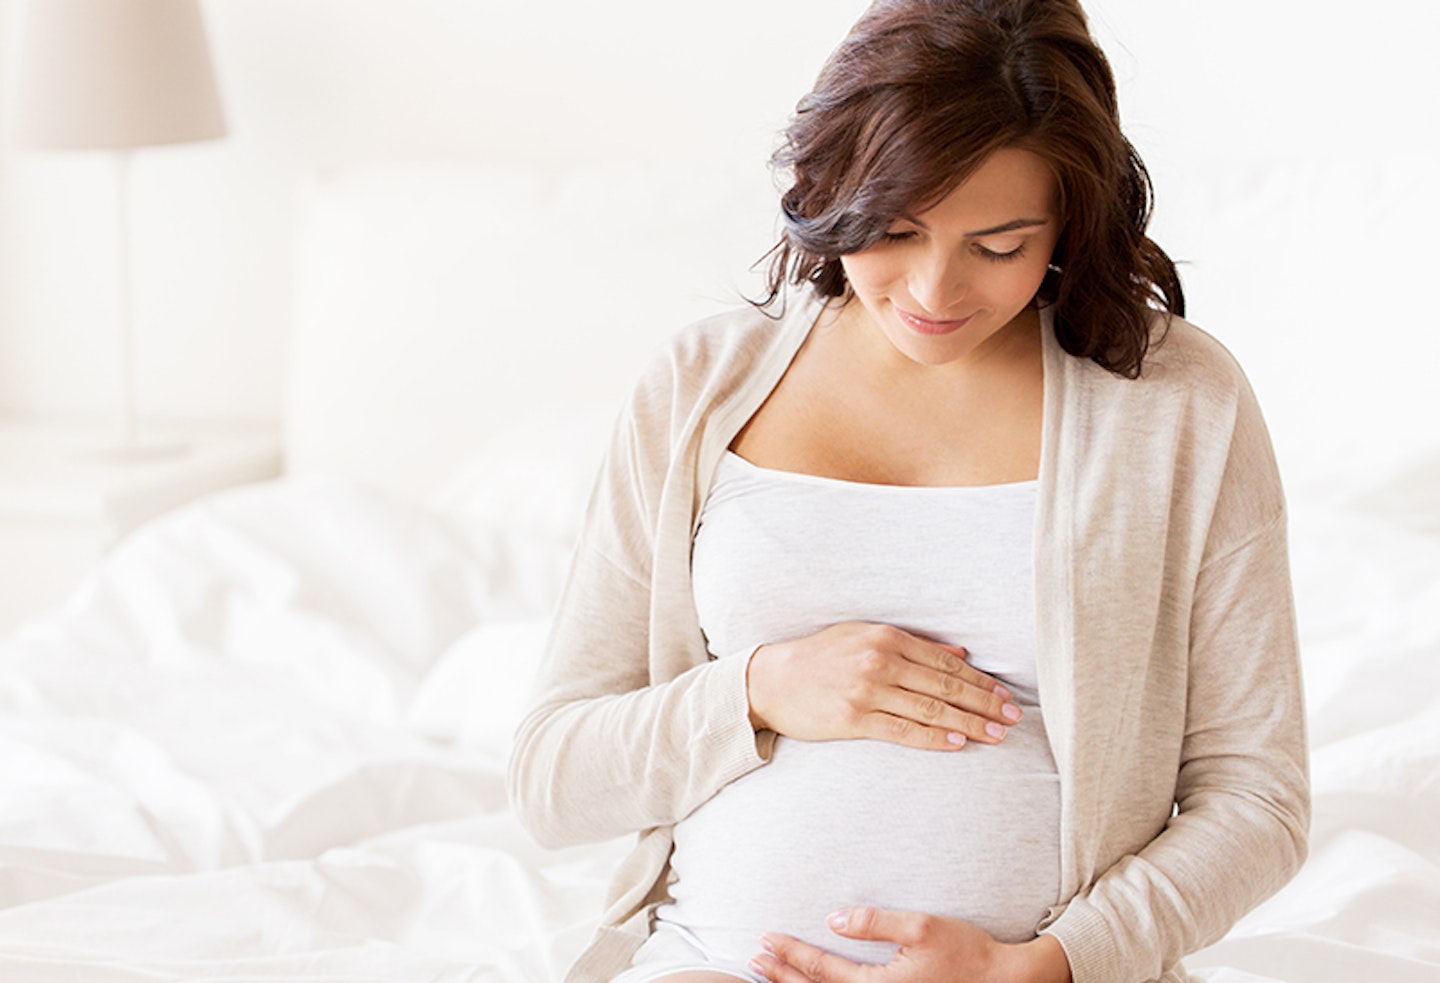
1189,429
1183,361
710,360
1186,358
734,339
1195,374
1188,378
649,470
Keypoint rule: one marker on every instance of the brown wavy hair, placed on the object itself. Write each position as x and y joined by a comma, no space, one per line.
917,96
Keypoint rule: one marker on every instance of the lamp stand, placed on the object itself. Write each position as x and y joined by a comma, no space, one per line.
129,447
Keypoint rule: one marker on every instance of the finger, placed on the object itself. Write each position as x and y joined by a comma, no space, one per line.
984,680
880,924
907,732
776,970
936,714
788,960
956,692
951,660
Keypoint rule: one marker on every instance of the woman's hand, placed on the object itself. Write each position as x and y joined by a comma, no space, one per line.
864,680
932,950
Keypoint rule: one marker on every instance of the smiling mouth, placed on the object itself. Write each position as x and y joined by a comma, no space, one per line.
926,326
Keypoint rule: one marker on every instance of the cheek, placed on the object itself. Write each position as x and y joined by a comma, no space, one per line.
1018,285
867,272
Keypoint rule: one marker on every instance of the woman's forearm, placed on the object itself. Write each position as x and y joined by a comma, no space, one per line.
1041,960
593,768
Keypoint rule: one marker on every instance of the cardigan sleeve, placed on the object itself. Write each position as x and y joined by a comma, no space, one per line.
1242,806
612,746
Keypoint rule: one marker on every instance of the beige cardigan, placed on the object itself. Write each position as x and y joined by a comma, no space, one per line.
1165,631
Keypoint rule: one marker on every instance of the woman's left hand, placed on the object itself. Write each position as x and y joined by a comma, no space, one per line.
932,950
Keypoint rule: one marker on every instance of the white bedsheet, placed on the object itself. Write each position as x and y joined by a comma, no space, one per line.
266,741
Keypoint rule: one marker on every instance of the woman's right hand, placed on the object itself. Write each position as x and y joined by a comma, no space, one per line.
855,680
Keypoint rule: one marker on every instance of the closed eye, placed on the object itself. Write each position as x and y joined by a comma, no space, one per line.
1001,257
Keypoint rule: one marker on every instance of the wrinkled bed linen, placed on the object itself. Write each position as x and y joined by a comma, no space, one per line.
266,739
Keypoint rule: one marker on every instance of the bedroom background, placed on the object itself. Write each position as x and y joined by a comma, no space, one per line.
1293,156
429,258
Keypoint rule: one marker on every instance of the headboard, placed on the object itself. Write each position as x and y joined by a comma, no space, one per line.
439,305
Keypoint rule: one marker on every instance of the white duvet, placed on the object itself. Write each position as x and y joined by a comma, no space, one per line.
266,740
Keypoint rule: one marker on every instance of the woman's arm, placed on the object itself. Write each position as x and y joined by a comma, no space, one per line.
1242,793
609,750
613,754
1229,749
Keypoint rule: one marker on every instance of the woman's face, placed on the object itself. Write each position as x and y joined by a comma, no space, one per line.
943,282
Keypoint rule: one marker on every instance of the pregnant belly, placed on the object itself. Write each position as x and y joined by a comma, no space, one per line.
972,834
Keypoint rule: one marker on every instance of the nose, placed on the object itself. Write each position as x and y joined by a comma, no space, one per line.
937,282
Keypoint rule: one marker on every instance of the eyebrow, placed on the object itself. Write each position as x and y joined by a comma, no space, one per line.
1012,226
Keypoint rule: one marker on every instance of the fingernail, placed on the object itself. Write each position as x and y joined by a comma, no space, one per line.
839,920
956,739
767,945
1011,711
756,968
1003,693
994,729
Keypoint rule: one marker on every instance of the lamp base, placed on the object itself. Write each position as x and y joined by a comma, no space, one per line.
137,450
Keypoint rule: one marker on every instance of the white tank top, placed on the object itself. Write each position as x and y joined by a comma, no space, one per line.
825,825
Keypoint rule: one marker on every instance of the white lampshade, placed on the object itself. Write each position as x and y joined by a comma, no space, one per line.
101,74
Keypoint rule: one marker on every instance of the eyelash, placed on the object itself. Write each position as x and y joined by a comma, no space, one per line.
995,257
987,254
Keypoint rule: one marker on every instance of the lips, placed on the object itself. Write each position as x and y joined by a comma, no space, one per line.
925,326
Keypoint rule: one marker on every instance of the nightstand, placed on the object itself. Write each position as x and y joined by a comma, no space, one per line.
62,508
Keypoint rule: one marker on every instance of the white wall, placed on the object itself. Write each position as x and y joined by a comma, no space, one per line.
1294,150
317,84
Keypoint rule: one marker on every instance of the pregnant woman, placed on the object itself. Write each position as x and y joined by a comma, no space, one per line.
933,621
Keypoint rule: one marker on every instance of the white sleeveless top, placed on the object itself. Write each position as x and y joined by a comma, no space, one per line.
972,833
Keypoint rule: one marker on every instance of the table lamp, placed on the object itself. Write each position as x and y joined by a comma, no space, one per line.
117,75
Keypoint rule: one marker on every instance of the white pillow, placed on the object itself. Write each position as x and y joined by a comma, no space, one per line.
435,303
480,688
519,499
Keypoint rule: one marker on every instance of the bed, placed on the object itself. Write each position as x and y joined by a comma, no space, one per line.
265,739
